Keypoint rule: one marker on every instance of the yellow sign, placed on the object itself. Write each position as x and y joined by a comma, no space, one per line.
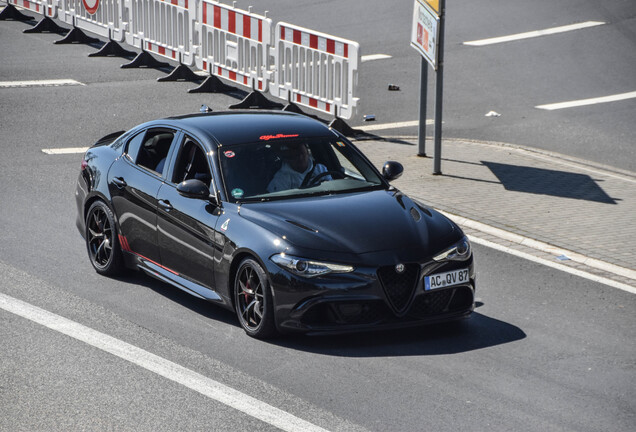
434,4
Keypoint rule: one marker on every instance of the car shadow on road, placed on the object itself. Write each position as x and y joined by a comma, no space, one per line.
477,332
202,307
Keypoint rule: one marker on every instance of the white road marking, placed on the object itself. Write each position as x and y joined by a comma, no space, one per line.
67,150
165,368
396,125
371,57
554,265
533,34
41,83
591,101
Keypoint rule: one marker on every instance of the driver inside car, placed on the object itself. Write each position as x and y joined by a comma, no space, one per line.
298,168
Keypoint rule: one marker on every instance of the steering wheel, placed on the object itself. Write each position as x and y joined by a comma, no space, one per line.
318,179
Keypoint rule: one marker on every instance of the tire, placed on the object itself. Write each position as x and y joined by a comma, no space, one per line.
253,300
102,241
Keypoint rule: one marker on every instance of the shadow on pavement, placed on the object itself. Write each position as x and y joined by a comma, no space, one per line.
477,332
549,182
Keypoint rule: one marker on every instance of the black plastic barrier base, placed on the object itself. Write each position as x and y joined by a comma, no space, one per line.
113,49
47,25
341,126
256,100
212,84
145,60
76,36
181,73
11,13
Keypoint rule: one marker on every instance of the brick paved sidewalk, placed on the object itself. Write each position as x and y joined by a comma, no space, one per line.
587,210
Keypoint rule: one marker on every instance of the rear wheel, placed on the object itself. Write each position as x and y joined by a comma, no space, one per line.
101,240
253,300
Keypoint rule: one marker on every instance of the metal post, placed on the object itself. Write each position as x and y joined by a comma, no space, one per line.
439,82
423,89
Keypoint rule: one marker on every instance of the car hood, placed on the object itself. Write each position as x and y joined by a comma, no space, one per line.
354,223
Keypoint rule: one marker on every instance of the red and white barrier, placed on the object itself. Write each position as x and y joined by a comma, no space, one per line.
311,69
234,44
101,17
44,7
316,70
163,27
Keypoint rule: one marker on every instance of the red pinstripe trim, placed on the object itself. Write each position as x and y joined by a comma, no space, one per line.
260,30
346,50
123,241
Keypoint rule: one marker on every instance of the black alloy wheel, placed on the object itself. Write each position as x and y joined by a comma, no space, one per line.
253,300
101,240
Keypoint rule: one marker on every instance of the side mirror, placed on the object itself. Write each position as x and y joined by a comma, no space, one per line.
193,188
392,170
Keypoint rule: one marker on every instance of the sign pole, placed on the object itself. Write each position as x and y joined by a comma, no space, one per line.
439,83
423,89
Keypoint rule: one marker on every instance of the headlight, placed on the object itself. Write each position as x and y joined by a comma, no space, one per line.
308,268
460,251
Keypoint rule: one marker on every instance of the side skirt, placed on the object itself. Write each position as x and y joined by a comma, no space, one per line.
165,275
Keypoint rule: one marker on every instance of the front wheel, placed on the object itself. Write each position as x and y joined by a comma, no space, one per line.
253,300
101,240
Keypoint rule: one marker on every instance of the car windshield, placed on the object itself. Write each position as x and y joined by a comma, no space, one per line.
276,168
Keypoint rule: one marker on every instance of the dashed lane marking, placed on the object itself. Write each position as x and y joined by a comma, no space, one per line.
40,83
396,125
371,57
590,101
533,34
67,150
165,368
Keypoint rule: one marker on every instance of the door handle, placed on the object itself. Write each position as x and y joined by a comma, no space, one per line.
119,182
165,204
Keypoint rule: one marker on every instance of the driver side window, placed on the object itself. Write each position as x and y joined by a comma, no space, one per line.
192,163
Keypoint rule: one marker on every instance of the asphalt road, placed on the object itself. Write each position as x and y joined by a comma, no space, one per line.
545,350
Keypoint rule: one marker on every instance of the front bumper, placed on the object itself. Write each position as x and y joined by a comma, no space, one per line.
364,300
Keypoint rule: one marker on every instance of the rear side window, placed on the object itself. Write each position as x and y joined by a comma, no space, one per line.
133,146
150,149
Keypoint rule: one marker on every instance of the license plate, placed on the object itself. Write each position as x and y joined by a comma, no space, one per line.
441,280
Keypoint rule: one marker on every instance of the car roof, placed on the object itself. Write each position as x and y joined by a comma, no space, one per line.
238,127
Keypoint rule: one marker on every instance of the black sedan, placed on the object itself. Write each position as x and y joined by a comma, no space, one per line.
275,216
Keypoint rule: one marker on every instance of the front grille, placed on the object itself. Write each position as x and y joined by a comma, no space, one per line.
346,313
442,301
399,287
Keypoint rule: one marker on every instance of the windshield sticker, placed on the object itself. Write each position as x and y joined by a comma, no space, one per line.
225,224
277,136
229,153
237,193
340,143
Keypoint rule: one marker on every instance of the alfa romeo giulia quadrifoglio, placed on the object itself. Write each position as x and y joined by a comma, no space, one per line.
273,215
